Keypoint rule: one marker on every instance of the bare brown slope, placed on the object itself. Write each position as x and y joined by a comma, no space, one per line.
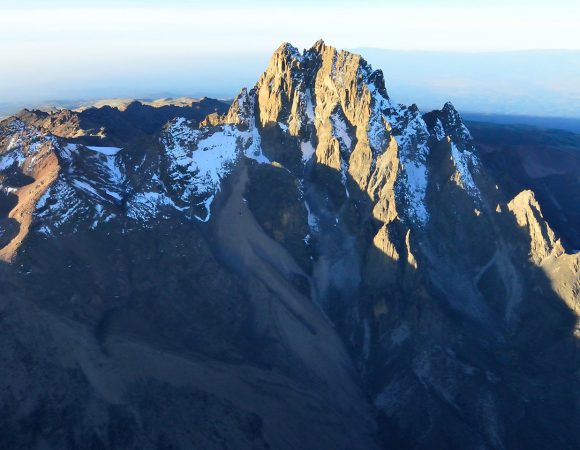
28,181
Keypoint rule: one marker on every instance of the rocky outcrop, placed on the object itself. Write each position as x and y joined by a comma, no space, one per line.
543,242
546,250
29,165
119,124
317,266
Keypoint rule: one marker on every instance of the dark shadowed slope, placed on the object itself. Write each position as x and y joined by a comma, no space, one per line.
318,268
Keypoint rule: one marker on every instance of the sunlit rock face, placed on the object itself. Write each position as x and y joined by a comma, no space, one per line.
316,266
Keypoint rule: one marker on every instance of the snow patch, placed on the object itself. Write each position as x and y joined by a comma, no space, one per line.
200,160
377,131
343,177
439,130
309,106
312,219
207,204
85,187
144,206
340,131
307,150
416,173
411,133
63,205
253,145
462,161
109,151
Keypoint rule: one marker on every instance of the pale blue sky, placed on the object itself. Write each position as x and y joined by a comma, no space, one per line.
68,49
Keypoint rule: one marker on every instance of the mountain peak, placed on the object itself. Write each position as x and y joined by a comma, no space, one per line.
319,46
316,244
288,50
528,215
448,107
451,112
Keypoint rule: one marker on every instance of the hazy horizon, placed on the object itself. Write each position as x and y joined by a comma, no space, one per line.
487,83
486,57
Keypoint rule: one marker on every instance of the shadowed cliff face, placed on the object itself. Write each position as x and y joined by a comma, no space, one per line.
317,267
539,159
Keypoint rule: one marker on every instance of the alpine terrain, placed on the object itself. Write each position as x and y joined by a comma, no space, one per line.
313,266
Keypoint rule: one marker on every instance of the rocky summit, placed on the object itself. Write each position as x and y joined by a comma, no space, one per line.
313,266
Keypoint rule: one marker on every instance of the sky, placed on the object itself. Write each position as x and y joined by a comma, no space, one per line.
66,49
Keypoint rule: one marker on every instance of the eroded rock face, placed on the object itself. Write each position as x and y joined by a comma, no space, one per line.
543,242
29,165
546,251
316,267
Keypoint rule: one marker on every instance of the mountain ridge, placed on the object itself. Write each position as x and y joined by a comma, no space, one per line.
352,259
